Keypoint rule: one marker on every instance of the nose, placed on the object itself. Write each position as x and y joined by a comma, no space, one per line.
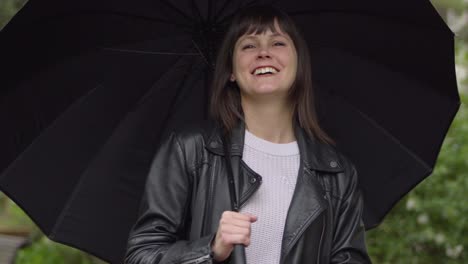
263,53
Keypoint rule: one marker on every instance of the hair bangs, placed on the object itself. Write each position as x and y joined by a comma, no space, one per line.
258,25
259,21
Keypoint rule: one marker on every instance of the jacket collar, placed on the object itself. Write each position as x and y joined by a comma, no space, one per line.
314,154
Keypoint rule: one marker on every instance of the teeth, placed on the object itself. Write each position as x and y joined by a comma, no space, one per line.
265,70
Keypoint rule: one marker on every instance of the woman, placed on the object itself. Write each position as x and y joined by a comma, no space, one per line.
299,200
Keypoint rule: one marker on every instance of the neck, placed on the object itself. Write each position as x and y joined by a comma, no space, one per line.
271,122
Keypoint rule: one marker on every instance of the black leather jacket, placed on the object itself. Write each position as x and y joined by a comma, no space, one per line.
187,191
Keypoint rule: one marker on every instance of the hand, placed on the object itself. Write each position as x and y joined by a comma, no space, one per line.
234,228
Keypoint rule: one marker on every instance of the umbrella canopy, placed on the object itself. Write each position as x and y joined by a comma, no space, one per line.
89,87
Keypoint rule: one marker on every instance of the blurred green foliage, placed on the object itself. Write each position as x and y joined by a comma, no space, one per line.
44,250
39,249
11,216
8,8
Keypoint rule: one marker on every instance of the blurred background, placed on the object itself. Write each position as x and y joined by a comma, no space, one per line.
430,225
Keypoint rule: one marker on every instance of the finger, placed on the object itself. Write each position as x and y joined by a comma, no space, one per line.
234,221
238,224
235,239
253,218
233,229
242,216
232,214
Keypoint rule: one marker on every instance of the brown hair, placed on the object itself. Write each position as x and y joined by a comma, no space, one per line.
225,101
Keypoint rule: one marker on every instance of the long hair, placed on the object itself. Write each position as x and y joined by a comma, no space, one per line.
225,100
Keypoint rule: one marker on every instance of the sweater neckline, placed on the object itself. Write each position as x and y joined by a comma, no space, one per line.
277,149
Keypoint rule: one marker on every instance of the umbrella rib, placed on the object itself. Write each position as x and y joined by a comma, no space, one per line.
388,134
152,52
177,94
236,10
175,65
210,7
100,13
225,4
201,53
178,11
195,9
249,3
67,204
393,19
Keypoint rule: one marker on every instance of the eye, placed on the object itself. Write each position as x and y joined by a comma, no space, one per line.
280,44
248,46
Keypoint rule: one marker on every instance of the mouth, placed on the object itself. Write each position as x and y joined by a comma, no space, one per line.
265,71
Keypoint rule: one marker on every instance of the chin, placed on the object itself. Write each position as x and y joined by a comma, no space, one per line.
268,90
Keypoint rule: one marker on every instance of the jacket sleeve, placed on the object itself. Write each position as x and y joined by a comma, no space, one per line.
349,238
159,235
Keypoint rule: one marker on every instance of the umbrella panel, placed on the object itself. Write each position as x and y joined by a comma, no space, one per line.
124,109
390,158
359,44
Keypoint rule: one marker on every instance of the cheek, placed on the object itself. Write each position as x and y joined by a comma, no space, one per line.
290,62
240,64
294,63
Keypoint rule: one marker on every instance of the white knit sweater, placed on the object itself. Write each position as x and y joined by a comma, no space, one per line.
278,164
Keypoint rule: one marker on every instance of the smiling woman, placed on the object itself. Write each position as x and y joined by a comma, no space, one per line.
298,201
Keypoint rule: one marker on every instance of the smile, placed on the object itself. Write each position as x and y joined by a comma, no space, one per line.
264,71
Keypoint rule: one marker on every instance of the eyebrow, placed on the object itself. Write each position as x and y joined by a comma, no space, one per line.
253,37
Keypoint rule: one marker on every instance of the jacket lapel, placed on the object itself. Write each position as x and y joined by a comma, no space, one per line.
309,199
307,204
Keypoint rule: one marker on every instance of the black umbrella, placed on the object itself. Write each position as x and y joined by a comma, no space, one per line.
89,87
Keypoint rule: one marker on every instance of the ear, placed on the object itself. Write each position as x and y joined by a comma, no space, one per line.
232,78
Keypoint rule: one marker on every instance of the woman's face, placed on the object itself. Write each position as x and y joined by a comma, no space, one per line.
264,64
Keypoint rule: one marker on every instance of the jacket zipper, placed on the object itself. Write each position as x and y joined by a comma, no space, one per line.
197,260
